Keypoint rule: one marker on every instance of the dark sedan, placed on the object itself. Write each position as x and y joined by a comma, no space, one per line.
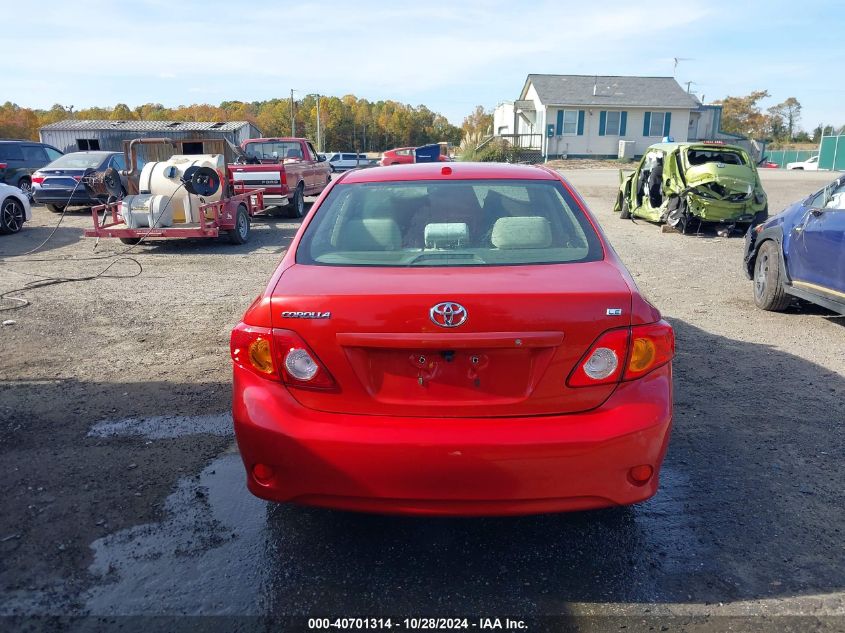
59,185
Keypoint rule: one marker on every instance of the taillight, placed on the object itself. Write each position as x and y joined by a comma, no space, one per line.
279,355
603,362
77,178
37,178
652,346
252,348
2,165
625,354
299,365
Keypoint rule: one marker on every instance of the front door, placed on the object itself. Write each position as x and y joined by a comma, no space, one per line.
816,252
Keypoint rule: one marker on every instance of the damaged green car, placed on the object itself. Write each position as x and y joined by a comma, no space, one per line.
682,184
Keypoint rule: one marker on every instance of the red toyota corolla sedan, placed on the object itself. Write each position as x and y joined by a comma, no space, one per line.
452,340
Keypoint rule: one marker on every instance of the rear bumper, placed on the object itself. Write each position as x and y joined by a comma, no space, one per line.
80,196
453,466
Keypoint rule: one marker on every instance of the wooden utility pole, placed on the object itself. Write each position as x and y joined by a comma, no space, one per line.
292,115
319,138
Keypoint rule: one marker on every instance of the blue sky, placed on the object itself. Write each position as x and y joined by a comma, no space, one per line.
449,56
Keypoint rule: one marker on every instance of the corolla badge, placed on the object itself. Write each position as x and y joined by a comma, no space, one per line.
448,314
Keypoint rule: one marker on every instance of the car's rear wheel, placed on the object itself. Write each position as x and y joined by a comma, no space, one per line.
297,206
11,216
678,218
240,234
56,208
769,293
625,213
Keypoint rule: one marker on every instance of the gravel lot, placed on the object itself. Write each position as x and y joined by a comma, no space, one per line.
122,492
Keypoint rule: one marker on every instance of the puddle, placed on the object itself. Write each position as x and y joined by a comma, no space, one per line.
220,551
162,427
207,556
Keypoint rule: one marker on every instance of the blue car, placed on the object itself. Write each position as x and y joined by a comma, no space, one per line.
801,253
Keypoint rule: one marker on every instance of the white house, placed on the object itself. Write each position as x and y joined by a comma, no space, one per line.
585,116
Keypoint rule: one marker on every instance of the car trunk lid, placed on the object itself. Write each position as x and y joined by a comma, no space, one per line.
526,328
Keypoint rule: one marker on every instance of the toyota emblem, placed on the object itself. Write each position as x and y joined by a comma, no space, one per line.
448,314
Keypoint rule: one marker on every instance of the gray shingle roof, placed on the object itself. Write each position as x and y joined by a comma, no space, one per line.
145,126
610,90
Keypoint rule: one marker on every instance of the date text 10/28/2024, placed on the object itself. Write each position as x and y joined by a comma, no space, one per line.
489,624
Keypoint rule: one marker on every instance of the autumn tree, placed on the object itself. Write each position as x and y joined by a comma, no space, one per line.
742,115
478,124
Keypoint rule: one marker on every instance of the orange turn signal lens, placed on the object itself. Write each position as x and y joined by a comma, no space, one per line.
643,353
261,356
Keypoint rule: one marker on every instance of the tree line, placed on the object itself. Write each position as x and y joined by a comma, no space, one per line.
778,124
346,123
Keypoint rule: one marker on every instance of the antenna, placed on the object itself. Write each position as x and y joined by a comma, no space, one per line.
679,59
595,84
690,83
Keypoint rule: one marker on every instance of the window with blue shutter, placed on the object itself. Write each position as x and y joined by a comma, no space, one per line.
609,123
656,123
623,123
580,122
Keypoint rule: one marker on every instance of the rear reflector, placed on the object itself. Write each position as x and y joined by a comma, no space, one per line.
641,474
262,473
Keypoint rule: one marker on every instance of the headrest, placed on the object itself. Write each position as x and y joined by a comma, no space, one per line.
446,234
370,234
522,232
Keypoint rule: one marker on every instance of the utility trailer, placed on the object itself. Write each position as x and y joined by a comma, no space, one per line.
178,193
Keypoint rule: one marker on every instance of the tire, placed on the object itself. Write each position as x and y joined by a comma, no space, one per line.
625,212
56,208
769,293
678,218
297,207
25,185
12,215
240,234
131,241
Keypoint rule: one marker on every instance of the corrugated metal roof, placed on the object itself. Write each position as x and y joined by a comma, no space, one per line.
610,90
146,126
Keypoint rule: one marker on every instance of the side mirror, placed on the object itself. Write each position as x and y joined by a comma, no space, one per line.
321,158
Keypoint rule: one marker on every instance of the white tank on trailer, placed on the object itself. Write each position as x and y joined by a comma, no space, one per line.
164,178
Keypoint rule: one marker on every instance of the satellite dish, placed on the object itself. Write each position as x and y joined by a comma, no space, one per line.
201,181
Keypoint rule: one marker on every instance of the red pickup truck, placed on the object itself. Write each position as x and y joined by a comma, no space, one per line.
288,169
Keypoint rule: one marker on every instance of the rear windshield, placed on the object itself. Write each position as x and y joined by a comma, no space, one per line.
725,156
436,223
274,150
78,161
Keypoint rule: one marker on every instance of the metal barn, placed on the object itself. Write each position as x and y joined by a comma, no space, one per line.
73,135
